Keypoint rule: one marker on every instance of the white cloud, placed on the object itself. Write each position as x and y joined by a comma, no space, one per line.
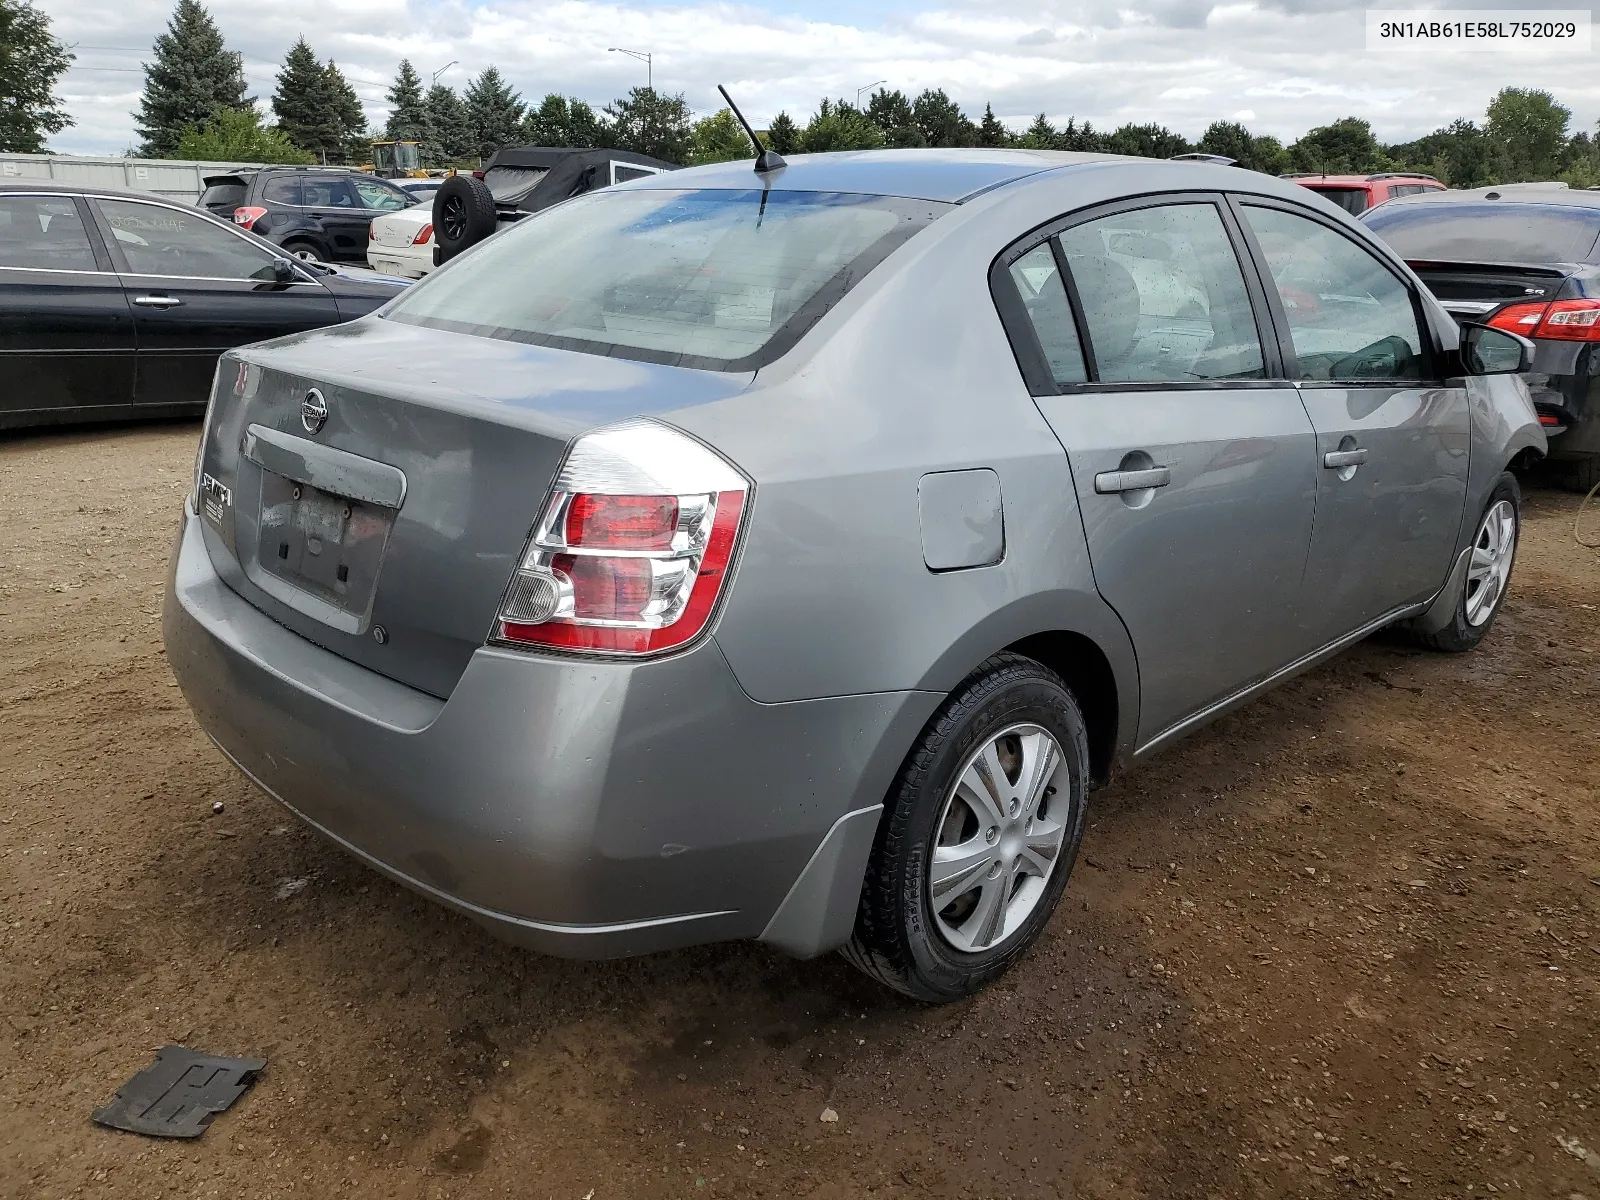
1183,63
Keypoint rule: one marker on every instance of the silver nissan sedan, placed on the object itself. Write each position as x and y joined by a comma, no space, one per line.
786,554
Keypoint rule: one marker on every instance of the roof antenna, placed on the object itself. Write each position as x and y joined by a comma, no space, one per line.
766,160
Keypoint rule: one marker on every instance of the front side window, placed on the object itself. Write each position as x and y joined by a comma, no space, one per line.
1044,298
724,280
381,196
156,240
1163,296
1350,317
44,233
327,192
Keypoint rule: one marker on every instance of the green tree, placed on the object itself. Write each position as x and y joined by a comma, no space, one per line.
1147,141
237,135
719,138
1459,155
891,112
1529,129
1346,147
1580,165
1229,139
1267,154
560,121
1085,138
354,144
193,76
449,140
305,107
1040,135
940,120
31,61
783,135
990,131
494,112
839,125
647,122
408,116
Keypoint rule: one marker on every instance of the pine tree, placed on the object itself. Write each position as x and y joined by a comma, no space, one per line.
408,117
494,113
991,132
783,135
193,76
305,106
353,144
647,122
563,121
891,112
1041,135
31,60
448,141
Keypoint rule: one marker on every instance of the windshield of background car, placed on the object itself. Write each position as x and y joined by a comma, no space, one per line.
509,183
1488,232
1351,199
721,280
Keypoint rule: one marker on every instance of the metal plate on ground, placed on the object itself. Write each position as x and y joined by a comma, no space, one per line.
179,1094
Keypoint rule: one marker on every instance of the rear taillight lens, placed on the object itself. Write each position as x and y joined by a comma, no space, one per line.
247,217
424,235
633,546
1563,320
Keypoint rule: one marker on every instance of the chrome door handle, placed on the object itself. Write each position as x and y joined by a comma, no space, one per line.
157,301
1336,460
1110,482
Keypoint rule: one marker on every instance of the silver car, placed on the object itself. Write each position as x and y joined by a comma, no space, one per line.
787,555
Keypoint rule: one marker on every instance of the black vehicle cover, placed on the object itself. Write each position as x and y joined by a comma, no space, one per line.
568,172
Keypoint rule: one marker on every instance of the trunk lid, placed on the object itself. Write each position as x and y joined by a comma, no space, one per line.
1474,291
383,522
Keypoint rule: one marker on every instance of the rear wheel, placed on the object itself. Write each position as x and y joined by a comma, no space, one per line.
979,837
303,250
1491,556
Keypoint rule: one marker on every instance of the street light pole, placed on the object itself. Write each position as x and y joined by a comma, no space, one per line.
435,80
868,88
644,57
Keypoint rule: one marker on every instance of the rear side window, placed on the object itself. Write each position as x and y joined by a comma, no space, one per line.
1163,297
1489,232
509,183
282,189
44,233
723,280
1350,317
621,172
1352,199
1044,297
223,196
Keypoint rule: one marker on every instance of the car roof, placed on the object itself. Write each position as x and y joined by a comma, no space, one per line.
1543,196
949,175
1310,178
84,189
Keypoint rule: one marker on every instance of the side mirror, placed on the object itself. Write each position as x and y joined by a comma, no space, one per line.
283,270
1486,351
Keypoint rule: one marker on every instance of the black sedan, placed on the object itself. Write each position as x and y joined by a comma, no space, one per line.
1524,259
118,304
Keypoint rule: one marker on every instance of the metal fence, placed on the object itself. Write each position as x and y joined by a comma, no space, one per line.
173,179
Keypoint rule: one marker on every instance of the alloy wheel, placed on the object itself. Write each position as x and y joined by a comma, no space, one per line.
453,218
998,838
303,254
1493,549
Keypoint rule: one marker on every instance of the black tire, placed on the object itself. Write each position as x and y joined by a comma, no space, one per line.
302,248
897,939
463,215
1461,634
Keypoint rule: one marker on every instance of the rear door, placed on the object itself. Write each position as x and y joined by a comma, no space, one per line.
1392,436
1192,458
198,287
338,211
66,333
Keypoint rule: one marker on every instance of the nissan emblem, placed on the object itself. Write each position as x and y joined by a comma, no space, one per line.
313,411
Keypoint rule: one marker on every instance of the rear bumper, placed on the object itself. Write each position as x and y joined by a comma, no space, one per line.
584,809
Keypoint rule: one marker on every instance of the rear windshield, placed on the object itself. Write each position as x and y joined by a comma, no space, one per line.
223,195
1351,199
510,183
722,280
1488,232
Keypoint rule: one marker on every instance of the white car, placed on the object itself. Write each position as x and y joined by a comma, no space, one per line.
401,243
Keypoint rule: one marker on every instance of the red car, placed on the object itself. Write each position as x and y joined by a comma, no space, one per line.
1357,193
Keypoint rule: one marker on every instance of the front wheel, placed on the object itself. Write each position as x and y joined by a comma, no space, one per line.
979,835
1490,558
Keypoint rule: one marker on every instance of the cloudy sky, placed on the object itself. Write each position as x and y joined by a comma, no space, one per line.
1280,66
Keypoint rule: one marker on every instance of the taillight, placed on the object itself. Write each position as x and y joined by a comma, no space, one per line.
372,234
424,235
1563,320
632,548
247,217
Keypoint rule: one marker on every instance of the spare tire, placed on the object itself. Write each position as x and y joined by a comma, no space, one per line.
463,215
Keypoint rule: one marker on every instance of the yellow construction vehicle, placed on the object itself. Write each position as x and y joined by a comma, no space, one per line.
396,160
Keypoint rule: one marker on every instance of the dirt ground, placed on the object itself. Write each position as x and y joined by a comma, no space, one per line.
1345,941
